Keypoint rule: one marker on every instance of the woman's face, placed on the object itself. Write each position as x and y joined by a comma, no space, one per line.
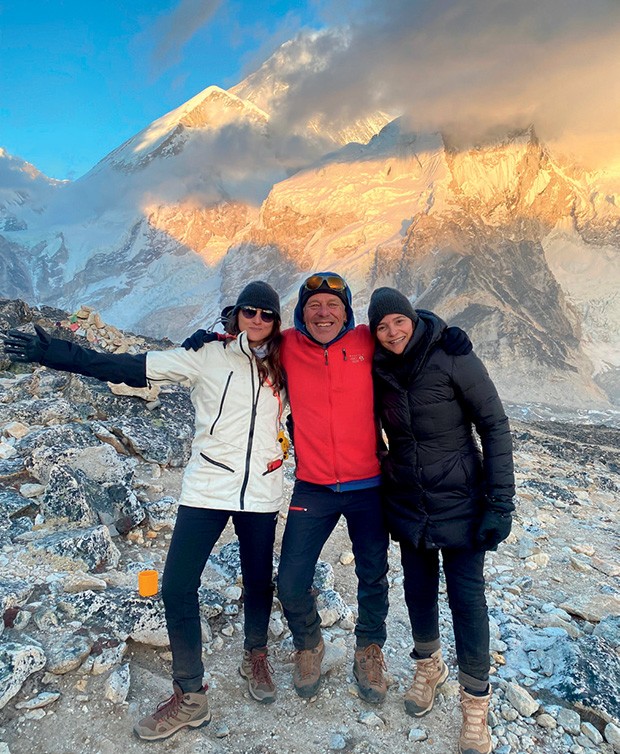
394,332
251,320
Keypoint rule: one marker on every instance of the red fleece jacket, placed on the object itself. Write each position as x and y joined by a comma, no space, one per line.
331,396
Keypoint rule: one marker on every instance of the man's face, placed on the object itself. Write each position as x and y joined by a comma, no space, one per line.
324,316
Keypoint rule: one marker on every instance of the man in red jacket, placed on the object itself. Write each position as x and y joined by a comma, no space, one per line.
328,363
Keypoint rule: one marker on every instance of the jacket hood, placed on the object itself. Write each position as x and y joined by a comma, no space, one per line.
298,316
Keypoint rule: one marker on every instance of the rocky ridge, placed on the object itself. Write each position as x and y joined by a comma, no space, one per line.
88,489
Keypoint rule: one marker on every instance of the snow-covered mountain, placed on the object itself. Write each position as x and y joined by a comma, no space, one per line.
520,247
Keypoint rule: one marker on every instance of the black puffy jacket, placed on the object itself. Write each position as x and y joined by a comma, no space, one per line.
436,482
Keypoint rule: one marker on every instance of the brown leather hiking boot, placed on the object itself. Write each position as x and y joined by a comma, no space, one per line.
257,670
368,669
307,673
180,711
475,737
430,674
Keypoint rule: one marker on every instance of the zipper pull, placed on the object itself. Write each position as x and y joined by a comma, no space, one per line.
344,354
325,352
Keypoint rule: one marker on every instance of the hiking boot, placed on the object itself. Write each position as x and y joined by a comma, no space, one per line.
430,674
257,670
475,737
368,669
307,673
180,711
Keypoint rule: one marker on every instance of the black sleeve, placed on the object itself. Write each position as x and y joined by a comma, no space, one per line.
478,395
110,367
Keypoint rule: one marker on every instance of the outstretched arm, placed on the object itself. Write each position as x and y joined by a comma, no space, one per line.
69,357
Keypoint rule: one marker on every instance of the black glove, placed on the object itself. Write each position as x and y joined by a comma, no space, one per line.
494,528
197,340
21,346
455,341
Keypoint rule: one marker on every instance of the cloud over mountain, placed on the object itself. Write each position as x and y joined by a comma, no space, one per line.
467,68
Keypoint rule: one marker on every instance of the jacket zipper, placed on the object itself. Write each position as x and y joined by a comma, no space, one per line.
217,463
246,476
331,423
219,413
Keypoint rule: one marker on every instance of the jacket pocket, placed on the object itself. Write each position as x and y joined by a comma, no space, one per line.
221,408
217,463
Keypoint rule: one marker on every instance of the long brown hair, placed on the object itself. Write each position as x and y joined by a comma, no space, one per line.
270,367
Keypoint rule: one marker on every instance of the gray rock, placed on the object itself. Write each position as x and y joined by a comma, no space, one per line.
65,497
521,700
161,514
17,662
11,469
609,629
117,685
226,561
323,576
40,700
13,504
335,655
337,742
612,735
417,735
45,444
332,608
109,658
14,592
93,547
153,440
591,733
120,613
570,721
586,676
66,653
211,602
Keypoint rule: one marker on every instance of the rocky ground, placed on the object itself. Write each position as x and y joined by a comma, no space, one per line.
88,483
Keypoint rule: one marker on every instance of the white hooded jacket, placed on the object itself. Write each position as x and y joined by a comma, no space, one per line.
236,459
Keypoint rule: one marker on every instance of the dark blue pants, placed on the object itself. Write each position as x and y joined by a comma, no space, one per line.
195,533
464,572
313,514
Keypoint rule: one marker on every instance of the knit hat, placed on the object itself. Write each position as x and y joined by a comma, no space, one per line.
305,293
386,301
258,294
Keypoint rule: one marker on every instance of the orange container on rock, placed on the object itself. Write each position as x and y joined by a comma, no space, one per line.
147,583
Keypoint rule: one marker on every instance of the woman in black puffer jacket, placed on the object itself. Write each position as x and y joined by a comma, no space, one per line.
442,493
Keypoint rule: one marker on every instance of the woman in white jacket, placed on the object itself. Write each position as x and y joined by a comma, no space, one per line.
235,471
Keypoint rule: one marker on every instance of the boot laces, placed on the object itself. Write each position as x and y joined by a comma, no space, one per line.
261,668
373,663
305,662
169,707
474,717
424,672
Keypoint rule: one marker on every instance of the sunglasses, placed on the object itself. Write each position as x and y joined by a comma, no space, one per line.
334,282
249,312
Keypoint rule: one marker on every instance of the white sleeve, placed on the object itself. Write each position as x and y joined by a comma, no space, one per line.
176,365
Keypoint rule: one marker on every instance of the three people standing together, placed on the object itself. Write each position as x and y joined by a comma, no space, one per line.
438,492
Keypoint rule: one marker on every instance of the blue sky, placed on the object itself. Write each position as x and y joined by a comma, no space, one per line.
77,78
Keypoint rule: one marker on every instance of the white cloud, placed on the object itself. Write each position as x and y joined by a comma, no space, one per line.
472,66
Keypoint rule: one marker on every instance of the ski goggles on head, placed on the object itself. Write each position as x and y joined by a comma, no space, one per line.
249,312
334,282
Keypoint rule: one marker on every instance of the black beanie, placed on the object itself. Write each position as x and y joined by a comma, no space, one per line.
386,301
258,294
